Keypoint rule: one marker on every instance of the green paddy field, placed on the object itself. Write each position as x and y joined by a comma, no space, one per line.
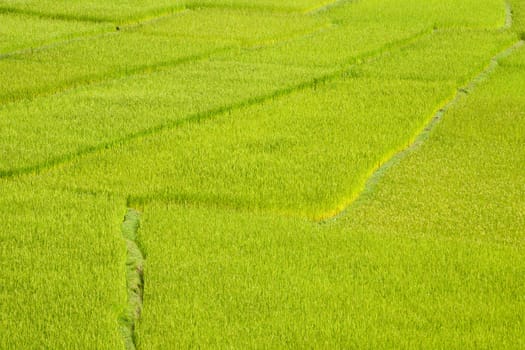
262,174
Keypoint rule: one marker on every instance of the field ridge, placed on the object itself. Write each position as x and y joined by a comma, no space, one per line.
201,116
112,29
419,138
508,16
195,5
94,79
69,38
325,7
145,16
259,173
127,72
134,278
56,16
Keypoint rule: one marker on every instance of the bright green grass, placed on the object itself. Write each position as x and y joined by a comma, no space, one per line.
304,154
129,10
432,257
360,27
62,282
489,14
235,26
91,10
477,192
225,279
71,123
295,155
152,46
100,58
276,5
48,128
518,11
334,47
220,122
88,117
437,57
25,32
193,34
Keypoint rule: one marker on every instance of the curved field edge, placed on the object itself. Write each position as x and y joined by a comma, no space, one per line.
395,156
510,279
434,254
222,110
108,162
148,69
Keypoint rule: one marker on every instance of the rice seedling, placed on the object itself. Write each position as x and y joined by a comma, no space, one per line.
306,153
89,11
62,265
245,174
431,257
19,33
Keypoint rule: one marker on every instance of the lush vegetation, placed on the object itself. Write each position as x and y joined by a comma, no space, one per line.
306,173
62,262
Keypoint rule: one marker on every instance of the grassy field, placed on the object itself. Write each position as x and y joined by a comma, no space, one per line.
262,174
62,265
